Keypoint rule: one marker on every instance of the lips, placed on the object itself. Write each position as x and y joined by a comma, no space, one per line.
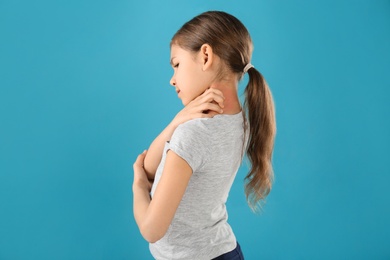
177,91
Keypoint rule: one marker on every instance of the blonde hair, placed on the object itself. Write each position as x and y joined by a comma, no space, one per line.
231,42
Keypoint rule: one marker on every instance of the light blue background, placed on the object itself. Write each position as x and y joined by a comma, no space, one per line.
84,88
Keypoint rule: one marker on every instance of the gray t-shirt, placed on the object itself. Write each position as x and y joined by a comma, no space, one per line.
213,147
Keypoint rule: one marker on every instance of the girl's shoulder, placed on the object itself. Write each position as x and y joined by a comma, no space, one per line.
218,123
194,127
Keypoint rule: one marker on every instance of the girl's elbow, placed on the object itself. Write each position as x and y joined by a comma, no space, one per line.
152,235
151,238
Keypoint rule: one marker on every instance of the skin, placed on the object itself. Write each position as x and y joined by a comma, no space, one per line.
203,96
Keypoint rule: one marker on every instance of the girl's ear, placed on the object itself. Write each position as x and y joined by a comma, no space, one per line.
207,56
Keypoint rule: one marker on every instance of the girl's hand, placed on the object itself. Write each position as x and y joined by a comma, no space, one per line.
207,105
140,177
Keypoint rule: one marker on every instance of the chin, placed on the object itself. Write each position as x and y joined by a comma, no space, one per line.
184,101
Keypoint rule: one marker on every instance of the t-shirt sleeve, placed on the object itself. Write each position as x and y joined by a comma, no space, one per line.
188,142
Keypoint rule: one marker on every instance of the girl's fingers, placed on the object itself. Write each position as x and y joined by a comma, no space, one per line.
140,160
209,114
217,93
210,97
211,107
212,91
215,96
204,106
140,177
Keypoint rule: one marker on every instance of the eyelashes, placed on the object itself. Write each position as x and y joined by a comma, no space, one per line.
176,65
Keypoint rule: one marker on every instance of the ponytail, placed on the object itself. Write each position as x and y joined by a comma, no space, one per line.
259,106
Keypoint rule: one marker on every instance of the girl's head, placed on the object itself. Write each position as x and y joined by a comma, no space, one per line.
219,46
216,46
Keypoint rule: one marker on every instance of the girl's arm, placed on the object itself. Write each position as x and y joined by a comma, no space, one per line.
155,151
153,217
207,104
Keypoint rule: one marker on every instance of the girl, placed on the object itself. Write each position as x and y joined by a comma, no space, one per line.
182,182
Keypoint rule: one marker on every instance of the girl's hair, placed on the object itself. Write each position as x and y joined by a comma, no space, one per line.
230,41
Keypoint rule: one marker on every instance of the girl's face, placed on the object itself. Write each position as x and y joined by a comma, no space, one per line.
190,78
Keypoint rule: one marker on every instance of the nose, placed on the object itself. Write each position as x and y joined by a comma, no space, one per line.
173,81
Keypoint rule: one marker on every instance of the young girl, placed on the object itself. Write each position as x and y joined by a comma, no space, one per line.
182,182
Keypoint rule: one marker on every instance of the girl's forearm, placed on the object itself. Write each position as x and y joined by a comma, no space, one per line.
153,157
141,202
150,230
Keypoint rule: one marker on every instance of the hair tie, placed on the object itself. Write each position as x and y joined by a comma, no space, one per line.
247,67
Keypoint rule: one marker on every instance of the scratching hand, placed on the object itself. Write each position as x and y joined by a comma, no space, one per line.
207,105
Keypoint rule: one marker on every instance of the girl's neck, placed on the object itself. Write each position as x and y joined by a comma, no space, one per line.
229,89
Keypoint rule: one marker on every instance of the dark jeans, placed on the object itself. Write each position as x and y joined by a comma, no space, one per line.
235,254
